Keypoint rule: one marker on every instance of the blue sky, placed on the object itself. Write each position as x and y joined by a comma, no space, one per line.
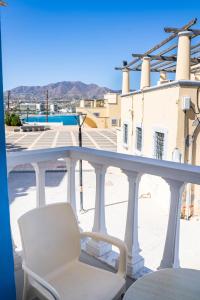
47,41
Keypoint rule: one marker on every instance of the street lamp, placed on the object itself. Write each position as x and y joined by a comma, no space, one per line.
80,118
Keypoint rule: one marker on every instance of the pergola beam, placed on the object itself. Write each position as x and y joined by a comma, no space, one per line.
177,30
195,46
165,58
194,51
160,64
165,41
156,57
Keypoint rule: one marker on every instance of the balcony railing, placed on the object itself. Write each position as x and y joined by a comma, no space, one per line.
176,176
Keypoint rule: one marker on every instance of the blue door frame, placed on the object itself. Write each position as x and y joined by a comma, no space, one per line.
7,280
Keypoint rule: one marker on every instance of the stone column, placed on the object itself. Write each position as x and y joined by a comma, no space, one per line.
125,81
145,73
183,56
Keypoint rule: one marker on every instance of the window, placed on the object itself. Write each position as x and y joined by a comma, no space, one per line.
159,145
114,122
125,133
96,114
139,138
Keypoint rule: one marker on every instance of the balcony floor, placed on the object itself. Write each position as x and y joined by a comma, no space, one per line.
84,258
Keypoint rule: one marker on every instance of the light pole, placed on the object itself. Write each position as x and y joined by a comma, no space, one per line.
80,124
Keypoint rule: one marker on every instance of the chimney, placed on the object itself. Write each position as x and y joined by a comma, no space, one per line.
145,73
183,56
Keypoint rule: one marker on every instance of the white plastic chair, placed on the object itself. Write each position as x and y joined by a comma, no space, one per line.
51,250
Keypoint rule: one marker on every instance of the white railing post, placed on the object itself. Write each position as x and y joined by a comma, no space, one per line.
71,182
135,260
93,247
170,257
17,257
40,170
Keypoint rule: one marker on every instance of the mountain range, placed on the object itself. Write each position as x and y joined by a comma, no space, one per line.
65,90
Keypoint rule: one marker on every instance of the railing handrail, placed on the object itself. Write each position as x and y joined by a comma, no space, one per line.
167,169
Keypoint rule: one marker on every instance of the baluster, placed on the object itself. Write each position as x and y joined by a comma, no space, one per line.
40,169
93,247
170,257
71,188
135,260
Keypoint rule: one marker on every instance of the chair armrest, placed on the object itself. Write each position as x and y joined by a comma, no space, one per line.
43,283
115,242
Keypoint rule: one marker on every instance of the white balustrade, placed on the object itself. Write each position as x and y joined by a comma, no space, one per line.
40,172
171,249
99,214
94,247
135,260
175,174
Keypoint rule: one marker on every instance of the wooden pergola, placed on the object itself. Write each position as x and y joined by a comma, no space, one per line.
163,55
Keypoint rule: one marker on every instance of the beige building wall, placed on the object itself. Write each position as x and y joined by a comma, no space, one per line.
152,110
160,108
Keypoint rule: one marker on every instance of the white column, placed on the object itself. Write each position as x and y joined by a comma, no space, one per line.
170,257
195,76
183,56
93,247
125,81
71,182
163,77
135,260
145,73
40,183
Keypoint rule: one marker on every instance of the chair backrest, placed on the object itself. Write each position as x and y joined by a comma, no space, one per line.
50,237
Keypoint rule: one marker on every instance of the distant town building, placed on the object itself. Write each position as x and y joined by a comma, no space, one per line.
53,107
104,113
38,107
32,107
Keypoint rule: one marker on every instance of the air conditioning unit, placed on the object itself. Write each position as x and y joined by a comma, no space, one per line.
186,103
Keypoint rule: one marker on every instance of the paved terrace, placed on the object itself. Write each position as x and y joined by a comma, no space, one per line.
63,136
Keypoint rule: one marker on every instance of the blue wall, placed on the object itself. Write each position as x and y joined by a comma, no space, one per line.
7,283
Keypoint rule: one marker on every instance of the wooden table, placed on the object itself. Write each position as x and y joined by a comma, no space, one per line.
166,284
